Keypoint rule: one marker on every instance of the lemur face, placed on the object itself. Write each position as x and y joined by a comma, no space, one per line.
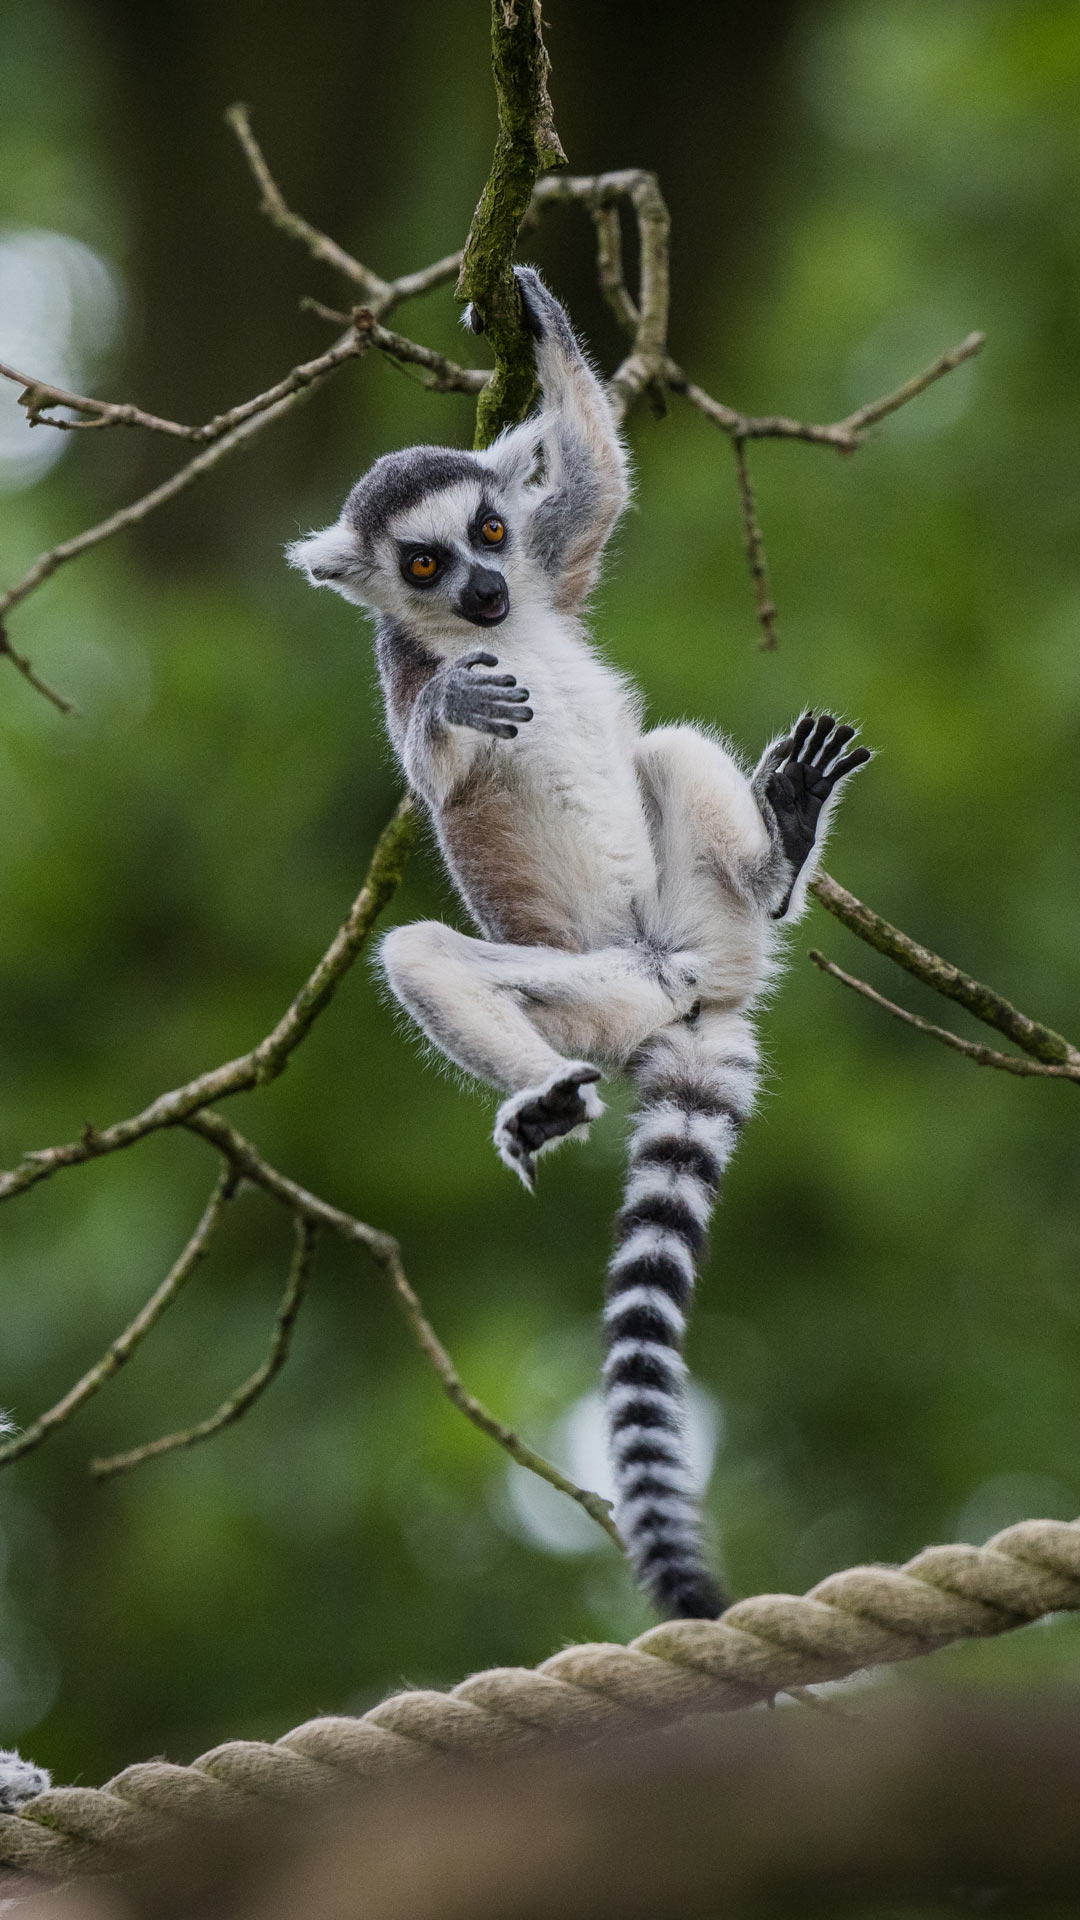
451,553
429,536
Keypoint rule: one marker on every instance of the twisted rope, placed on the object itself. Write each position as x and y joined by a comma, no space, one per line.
868,1616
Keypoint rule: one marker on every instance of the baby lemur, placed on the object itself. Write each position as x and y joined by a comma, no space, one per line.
627,884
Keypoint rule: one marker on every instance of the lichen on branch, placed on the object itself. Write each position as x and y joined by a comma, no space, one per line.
527,145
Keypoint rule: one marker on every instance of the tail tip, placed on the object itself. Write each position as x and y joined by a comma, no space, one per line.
693,1596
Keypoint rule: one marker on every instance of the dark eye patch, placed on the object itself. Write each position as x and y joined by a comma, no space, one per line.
410,550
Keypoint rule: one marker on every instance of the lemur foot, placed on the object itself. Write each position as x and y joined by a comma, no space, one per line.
486,702
541,1116
799,774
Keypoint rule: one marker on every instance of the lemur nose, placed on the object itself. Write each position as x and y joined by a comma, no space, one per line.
484,599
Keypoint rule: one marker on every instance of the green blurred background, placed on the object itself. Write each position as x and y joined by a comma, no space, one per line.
888,1339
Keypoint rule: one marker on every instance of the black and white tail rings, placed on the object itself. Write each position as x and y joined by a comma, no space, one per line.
682,1141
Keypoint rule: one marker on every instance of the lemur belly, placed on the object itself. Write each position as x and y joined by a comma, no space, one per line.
547,836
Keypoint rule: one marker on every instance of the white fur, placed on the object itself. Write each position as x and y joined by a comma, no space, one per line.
652,1298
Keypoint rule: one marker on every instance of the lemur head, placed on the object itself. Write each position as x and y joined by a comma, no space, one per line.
433,537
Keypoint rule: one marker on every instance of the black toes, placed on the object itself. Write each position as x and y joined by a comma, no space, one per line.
553,1113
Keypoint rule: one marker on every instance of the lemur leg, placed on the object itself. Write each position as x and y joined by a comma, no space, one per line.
531,1021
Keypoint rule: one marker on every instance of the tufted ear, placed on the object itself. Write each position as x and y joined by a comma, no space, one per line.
515,456
329,558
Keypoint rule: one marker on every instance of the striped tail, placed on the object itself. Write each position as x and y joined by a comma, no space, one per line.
683,1138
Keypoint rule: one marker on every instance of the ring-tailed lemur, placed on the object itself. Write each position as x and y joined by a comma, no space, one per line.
627,885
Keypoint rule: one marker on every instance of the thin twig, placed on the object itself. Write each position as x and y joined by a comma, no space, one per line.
266,1060
754,541
319,245
846,435
38,395
443,375
125,1344
973,1050
1031,1036
864,417
238,1403
247,1162
22,665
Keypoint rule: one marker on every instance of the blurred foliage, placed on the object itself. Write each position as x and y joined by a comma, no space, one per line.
890,1322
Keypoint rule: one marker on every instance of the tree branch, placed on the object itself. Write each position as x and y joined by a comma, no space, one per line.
238,1403
125,1344
982,1056
1031,1036
266,1060
527,145
247,1162
254,415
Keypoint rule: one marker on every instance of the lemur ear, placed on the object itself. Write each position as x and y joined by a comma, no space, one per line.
515,455
329,558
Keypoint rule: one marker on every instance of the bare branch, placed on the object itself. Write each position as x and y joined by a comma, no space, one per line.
238,1403
1031,1036
266,1060
646,319
125,1344
973,1050
754,541
443,375
119,414
319,245
845,435
22,665
249,1163
864,417
38,395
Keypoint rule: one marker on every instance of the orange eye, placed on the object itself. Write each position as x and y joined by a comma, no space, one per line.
423,566
493,531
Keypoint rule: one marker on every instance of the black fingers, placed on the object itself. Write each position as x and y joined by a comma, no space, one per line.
848,765
817,739
815,748
835,746
479,658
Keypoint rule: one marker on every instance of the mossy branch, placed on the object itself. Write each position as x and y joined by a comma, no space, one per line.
527,146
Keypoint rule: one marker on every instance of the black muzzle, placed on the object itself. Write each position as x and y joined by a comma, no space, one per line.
484,598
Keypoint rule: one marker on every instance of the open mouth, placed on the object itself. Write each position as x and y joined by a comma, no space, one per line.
485,613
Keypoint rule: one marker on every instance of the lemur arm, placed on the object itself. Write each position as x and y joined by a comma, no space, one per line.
585,484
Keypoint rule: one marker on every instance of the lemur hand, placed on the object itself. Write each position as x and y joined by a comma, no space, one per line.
544,316
798,775
487,702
